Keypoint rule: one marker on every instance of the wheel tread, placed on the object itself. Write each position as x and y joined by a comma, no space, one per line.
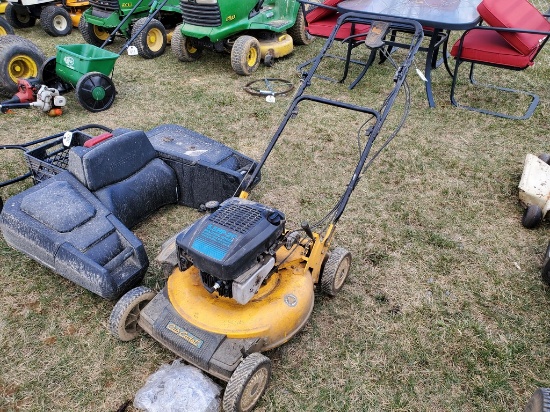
124,306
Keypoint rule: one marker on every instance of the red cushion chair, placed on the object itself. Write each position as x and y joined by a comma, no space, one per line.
514,35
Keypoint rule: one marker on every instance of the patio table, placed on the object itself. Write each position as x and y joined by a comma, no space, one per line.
440,15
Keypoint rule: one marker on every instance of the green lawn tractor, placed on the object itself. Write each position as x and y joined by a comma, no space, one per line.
251,30
101,20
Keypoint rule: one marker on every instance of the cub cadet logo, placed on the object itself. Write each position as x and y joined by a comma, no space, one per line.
182,333
69,61
229,18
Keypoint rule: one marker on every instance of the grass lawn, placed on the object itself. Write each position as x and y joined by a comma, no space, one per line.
444,309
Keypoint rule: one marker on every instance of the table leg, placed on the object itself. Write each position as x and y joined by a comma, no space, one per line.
429,64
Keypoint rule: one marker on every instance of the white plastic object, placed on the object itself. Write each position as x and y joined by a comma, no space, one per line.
67,138
270,98
534,185
178,388
132,51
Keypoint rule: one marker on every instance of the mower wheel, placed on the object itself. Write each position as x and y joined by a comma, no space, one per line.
184,48
151,41
245,55
532,216
19,16
545,271
19,58
95,92
123,322
5,27
298,32
247,384
335,271
539,402
92,34
545,157
56,21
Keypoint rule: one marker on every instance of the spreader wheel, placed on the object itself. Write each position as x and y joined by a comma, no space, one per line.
298,32
184,48
95,92
92,34
335,271
245,55
56,21
123,322
19,59
151,41
247,384
5,27
19,16
532,216
539,402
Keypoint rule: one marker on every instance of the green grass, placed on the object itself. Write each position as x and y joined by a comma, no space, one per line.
444,308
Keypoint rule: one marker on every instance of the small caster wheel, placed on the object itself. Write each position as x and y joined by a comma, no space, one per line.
531,217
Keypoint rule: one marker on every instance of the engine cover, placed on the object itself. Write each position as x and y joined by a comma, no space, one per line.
231,240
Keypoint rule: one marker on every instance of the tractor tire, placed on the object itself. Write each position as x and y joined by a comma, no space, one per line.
298,32
247,384
151,42
19,58
95,92
183,47
335,271
123,322
19,16
245,55
545,271
539,402
5,27
532,216
56,21
91,33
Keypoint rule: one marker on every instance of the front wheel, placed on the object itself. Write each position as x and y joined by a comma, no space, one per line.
123,322
19,59
531,217
247,384
151,40
335,271
184,48
545,271
56,21
91,33
95,92
19,16
539,402
245,55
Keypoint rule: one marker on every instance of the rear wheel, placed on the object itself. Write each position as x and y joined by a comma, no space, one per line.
95,92
539,402
532,216
5,27
184,48
247,384
245,55
151,41
56,21
123,322
19,58
335,271
298,32
19,16
91,33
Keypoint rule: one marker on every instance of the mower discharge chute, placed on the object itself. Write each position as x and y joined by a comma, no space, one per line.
244,281
252,30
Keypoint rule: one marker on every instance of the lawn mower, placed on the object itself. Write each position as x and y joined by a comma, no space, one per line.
534,189
252,30
244,282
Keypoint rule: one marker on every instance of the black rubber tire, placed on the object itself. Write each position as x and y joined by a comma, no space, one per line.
184,48
151,42
298,32
247,384
19,58
92,34
56,21
335,271
19,16
532,216
95,92
545,270
5,27
539,402
49,77
123,322
545,157
245,55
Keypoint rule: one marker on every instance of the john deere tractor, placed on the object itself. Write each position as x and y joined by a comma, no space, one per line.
251,30
105,15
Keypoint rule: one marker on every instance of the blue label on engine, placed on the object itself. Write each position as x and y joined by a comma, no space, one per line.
214,242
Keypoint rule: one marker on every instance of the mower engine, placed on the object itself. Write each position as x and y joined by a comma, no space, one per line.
233,248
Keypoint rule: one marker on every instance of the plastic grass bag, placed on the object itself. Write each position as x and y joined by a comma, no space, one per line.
178,388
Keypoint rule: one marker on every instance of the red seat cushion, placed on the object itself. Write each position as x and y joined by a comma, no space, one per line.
489,46
515,14
319,13
323,28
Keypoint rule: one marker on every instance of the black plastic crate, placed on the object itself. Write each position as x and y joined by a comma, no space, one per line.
47,160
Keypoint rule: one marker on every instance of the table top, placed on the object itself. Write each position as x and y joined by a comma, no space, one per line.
440,14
